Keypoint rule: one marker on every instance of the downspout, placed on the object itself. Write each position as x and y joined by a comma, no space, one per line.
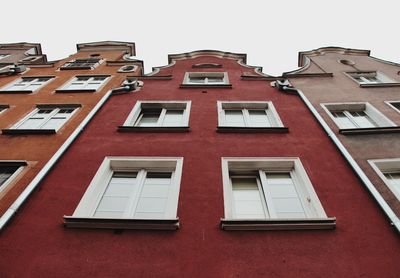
35,182
395,221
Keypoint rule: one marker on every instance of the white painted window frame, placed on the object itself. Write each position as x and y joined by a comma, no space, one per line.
2,56
374,114
93,66
66,86
311,204
390,103
134,115
3,108
380,77
270,110
224,75
47,117
91,198
383,166
19,80
14,176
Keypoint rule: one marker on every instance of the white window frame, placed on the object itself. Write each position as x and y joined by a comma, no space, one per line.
390,103
2,56
224,75
267,106
135,114
374,114
379,76
55,109
384,166
311,204
21,165
122,69
9,86
3,108
91,198
94,65
66,86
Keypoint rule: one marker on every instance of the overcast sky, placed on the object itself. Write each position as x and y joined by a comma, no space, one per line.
271,33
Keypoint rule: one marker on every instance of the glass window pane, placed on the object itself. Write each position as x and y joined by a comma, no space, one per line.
234,118
173,118
247,199
149,117
259,118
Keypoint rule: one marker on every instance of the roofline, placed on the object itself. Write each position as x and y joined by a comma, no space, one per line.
327,49
207,52
107,46
23,45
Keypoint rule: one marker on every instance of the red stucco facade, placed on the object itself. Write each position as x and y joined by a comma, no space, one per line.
35,244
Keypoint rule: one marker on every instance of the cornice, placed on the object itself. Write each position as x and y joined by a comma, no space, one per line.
107,46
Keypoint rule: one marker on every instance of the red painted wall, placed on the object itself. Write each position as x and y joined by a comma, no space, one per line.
35,244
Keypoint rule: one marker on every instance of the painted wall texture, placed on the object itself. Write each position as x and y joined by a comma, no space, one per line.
36,244
37,149
340,88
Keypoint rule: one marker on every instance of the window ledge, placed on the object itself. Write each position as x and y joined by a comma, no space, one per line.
153,129
16,91
75,91
375,85
230,129
370,130
228,86
108,223
12,131
278,224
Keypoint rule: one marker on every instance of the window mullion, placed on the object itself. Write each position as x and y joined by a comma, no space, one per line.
351,118
161,118
134,200
48,117
271,213
246,117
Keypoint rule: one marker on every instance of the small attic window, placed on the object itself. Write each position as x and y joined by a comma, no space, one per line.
207,65
127,68
95,55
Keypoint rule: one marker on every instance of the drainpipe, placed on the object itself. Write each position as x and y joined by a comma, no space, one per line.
395,221
39,177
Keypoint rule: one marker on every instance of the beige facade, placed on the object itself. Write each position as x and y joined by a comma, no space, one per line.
356,96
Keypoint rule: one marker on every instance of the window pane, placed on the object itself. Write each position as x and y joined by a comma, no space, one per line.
362,119
234,118
247,199
259,118
394,180
149,117
285,199
173,118
342,120
115,200
153,198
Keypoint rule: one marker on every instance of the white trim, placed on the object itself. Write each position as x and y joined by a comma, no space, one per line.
374,114
98,185
382,166
65,86
8,86
13,177
311,204
206,75
46,118
135,113
389,102
267,106
379,76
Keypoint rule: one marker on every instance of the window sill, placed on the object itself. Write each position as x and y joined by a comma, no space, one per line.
153,129
75,91
12,131
108,223
16,92
232,129
377,85
227,86
278,224
370,130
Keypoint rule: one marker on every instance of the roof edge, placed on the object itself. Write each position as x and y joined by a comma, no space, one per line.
23,45
107,46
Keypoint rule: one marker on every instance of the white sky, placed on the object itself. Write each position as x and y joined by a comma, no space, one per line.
271,33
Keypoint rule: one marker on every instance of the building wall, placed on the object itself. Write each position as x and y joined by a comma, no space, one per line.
38,149
341,88
362,245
